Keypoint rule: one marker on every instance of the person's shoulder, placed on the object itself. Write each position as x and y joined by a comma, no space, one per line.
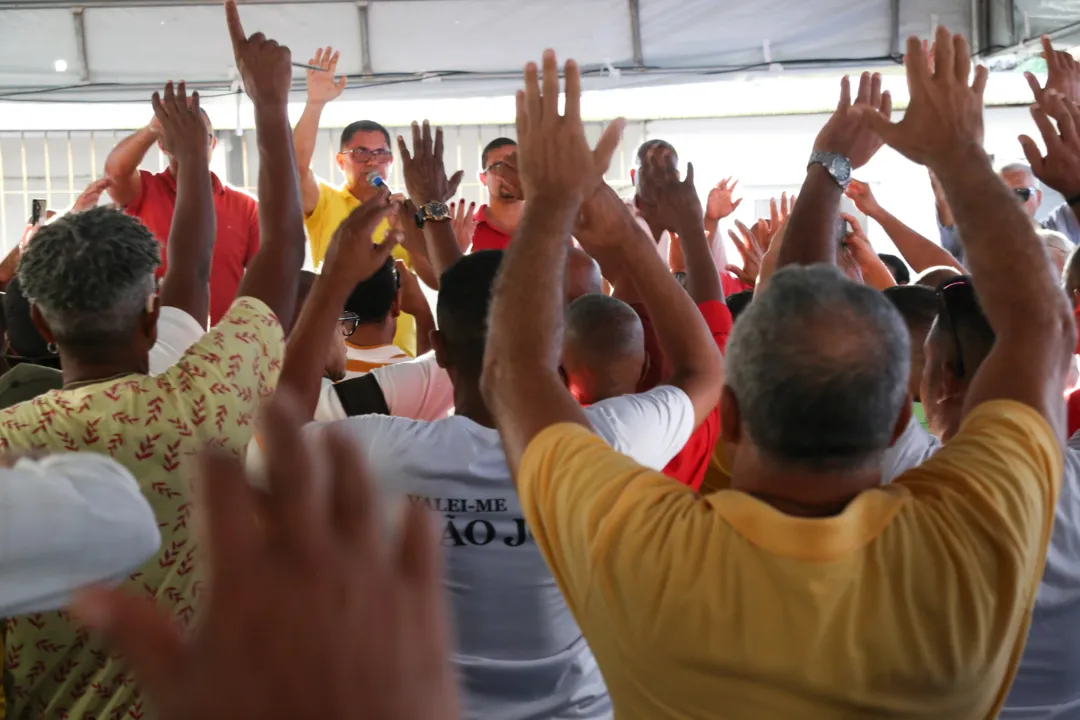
661,396
248,310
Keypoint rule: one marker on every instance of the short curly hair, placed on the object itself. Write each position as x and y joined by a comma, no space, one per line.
89,274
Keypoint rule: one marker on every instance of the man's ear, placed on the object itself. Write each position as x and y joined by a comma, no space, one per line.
395,307
438,344
730,416
340,161
633,177
482,177
150,318
39,322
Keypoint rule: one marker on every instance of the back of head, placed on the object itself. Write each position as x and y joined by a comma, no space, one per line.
737,303
819,366
90,275
653,147
363,126
373,298
918,305
462,307
897,268
23,337
932,277
603,349
582,274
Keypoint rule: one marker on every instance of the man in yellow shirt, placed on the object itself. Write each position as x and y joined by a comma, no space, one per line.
806,590
365,149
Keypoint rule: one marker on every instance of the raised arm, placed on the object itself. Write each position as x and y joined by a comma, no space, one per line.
426,182
352,258
845,144
274,272
191,240
322,88
628,251
122,165
919,252
1017,288
521,381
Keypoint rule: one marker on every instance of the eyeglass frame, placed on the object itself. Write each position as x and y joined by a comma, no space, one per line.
384,154
348,316
1029,190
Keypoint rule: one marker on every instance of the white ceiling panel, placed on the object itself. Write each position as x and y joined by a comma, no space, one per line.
153,44
495,35
31,41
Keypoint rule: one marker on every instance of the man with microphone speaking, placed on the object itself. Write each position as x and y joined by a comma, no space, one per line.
364,157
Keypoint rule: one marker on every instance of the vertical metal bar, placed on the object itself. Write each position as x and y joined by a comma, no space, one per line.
93,156
234,160
79,18
71,171
25,175
635,32
330,155
894,28
3,200
242,139
48,170
365,35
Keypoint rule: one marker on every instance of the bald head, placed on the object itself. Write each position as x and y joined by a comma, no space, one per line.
603,349
582,275
932,277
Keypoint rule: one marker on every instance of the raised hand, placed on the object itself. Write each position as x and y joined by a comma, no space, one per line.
555,161
1060,167
352,250
863,197
425,174
845,133
183,131
264,65
91,195
358,628
945,114
464,223
752,247
322,87
676,204
604,223
720,203
1062,74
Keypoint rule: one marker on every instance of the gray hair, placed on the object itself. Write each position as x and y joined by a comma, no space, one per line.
819,366
1017,167
90,275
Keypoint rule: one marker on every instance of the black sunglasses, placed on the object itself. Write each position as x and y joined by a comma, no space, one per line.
956,296
1024,193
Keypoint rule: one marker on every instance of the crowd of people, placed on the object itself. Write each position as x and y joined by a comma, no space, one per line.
612,474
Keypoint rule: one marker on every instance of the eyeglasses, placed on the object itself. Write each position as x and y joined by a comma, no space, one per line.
951,293
349,322
1024,194
363,154
496,167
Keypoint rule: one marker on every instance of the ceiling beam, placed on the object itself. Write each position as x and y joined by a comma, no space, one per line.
635,32
79,18
365,37
123,4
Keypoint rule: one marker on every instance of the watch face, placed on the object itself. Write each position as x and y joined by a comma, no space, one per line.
841,170
437,211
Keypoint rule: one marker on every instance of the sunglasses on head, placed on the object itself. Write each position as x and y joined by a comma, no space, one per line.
1024,194
956,296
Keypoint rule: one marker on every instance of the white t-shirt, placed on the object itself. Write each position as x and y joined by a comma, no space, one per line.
362,360
1047,683
67,521
417,389
176,332
519,654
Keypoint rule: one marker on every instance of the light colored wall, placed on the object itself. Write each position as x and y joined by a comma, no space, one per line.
767,155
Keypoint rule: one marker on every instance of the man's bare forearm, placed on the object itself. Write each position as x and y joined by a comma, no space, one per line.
274,272
125,158
306,133
442,245
919,252
702,277
191,240
810,234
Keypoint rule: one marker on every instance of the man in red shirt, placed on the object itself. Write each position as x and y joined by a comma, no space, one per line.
497,221
152,197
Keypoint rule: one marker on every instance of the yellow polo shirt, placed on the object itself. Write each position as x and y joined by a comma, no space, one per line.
913,602
335,204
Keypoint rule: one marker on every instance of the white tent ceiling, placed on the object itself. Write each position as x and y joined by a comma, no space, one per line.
120,49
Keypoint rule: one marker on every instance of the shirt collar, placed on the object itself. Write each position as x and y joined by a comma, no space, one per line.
170,180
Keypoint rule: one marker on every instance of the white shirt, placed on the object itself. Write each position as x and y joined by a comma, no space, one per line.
519,654
67,521
176,332
417,389
1047,683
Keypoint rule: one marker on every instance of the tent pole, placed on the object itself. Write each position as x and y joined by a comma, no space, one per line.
635,32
